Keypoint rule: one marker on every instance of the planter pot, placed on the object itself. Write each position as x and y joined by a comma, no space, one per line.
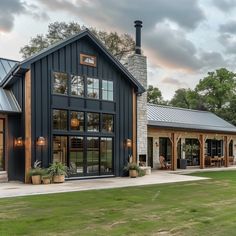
58,178
36,179
46,181
133,173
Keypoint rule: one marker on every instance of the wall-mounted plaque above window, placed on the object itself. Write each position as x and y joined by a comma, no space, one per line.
88,60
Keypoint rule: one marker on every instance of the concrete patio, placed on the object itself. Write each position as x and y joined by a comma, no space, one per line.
14,189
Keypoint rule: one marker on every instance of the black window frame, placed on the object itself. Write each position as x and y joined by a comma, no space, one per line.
107,90
67,84
60,110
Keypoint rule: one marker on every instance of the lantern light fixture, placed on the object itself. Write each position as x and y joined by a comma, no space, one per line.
74,122
128,143
41,141
19,142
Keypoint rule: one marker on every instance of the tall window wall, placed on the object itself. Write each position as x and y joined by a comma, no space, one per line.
82,86
83,140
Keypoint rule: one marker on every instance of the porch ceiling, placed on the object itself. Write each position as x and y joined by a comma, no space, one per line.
8,102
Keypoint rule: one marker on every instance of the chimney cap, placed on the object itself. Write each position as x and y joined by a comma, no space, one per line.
138,23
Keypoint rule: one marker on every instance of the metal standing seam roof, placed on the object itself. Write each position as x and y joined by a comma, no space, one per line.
8,102
173,117
5,66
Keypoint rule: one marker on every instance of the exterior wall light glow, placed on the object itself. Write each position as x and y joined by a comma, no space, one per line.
41,141
19,142
128,143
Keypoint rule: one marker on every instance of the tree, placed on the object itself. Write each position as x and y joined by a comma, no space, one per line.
187,98
217,89
119,45
154,95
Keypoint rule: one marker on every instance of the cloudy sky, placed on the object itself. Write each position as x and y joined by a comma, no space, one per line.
182,39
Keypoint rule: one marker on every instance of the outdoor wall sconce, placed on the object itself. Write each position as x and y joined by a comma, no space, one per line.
128,143
19,142
74,122
157,145
41,141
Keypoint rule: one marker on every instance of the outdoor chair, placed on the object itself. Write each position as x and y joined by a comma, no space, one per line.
164,165
231,160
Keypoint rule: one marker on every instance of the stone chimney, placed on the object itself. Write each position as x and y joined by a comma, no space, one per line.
137,66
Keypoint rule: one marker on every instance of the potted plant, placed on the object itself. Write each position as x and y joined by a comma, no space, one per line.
58,171
36,173
46,177
133,169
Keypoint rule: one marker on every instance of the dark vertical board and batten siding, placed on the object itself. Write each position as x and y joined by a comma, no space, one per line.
66,60
16,128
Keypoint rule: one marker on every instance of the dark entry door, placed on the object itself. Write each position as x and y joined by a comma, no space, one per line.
2,146
150,151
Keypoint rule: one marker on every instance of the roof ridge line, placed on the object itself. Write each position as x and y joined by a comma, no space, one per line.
177,108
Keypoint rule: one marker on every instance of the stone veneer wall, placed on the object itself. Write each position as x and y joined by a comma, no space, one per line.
137,66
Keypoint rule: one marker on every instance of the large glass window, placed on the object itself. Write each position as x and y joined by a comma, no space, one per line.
106,155
77,121
107,90
214,147
76,155
92,155
107,123
77,85
92,88
59,120
60,149
60,83
192,152
93,122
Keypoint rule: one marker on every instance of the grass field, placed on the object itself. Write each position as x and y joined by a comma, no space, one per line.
193,208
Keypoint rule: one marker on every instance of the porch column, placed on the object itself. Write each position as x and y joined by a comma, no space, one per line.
174,152
226,151
202,151
28,137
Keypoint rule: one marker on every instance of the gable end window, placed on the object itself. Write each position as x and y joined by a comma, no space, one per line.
92,88
107,90
77,85
60,83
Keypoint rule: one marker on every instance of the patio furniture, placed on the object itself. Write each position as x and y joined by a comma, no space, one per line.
181,163
164,165
209,162
231,160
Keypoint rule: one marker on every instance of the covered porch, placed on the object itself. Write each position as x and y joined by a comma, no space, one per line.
190,149
188,138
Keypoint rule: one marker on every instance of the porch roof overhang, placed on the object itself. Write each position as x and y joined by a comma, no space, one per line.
190,128
8,102
166,117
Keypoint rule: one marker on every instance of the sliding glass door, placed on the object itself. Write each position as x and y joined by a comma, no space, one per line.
85,156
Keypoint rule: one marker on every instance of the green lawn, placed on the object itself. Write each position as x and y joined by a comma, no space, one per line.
193,208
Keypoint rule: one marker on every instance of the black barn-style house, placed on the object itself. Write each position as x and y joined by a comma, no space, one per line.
72,102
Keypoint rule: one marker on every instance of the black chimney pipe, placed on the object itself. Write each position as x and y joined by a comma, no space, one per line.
138,26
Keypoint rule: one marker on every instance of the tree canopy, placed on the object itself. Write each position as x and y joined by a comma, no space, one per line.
154,95
120,45
217,89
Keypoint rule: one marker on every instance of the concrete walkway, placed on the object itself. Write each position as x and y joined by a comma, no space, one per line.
14,189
